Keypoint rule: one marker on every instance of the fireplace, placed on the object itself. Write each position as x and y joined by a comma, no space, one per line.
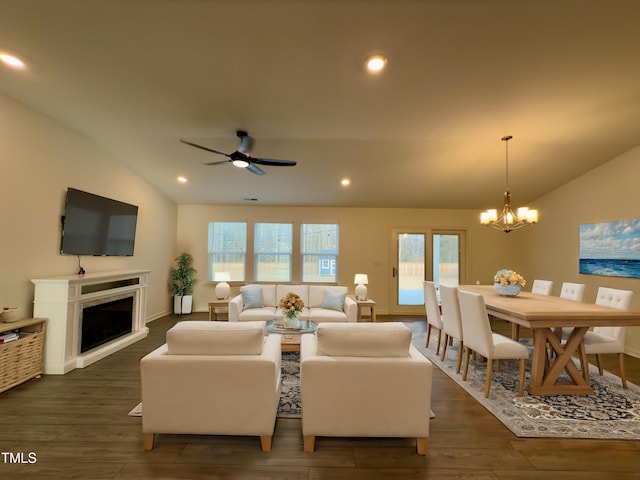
90,316
104,322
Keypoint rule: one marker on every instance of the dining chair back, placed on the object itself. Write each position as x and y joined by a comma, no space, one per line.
434,319
572,291
451,321
603,340
478,337
542,287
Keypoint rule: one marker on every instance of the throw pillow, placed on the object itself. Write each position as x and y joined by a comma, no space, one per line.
333,300
252,297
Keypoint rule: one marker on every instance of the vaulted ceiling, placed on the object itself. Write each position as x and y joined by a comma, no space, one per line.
136,76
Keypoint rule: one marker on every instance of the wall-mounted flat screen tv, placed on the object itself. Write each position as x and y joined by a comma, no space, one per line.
97,226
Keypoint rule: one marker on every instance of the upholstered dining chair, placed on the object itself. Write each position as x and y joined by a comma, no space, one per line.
539,287
479,338
451,321
542,287
605,340
572,291
434,319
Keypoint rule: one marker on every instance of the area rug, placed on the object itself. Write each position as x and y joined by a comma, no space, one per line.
290,406
611,413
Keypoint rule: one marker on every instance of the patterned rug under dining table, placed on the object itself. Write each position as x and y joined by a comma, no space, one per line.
543,314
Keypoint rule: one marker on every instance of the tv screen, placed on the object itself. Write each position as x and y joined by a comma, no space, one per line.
98,226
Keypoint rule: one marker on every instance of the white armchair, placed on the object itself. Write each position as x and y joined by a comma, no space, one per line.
209,378
364,380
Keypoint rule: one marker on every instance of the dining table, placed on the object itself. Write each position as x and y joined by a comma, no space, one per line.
545,315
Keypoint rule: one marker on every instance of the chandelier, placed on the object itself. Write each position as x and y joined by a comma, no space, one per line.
508,220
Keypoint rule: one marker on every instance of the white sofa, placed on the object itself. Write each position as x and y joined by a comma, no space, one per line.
364,380
212,378
319,303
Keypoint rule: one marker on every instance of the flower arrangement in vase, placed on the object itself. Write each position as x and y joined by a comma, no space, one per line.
508,282
291,305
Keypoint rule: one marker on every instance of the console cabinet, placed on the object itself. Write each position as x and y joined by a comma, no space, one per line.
22,359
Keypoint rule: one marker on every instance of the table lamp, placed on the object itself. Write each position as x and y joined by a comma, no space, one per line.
222,288
361,280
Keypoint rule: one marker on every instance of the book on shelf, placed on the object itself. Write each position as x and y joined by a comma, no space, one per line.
9,337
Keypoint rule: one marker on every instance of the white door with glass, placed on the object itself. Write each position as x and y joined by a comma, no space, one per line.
423,255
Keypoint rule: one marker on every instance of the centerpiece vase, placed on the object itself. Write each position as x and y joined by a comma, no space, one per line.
507,290
291,320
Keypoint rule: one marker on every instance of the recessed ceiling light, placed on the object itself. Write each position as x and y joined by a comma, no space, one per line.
376,63
345,182
182,179
11,61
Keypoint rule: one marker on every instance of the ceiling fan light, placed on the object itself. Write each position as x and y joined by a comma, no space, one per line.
241,163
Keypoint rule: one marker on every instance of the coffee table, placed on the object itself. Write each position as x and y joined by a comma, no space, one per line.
291,337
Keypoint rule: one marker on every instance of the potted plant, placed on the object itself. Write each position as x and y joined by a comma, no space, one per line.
182,281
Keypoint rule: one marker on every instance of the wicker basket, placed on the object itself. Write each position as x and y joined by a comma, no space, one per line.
21,359
8,315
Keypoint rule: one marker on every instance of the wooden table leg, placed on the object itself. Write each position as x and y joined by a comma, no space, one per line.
544,379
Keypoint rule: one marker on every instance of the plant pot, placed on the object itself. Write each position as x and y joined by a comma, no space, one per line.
507,290
182,304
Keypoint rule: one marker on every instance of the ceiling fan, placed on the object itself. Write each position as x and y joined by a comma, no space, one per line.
242,156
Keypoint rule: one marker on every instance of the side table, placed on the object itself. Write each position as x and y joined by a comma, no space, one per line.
213,315
368,303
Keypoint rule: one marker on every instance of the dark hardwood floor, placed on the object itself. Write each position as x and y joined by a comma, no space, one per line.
76,426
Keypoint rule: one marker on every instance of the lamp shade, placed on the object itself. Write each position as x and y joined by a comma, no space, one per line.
222,276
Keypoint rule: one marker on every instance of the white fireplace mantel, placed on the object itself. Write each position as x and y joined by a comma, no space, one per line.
60,299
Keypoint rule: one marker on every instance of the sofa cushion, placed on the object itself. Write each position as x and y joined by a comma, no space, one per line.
252,296
216,338
363,339
333,300
316,293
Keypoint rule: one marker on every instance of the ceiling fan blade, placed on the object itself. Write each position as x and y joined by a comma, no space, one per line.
205,148
273,163
217,163
255,169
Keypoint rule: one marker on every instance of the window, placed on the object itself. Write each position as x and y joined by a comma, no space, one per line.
273,245
228,249
319,251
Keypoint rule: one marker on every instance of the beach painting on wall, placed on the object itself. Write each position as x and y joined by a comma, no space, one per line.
611,249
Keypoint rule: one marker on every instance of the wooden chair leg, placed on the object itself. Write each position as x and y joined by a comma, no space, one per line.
439,340
515,331
460,347
466,363
265,442
426,344
421,445
599,363
523,363
498,366
148,440
309,443
489,369
623,375
444,347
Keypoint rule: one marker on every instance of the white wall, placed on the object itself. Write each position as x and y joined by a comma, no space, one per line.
365,239
40,159
607,193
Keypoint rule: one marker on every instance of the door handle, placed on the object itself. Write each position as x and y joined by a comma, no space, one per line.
394,272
